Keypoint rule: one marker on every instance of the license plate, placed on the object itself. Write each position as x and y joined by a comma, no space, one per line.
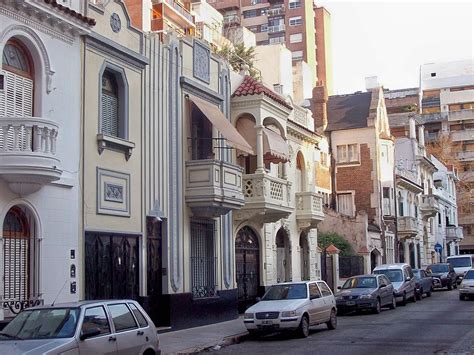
267,322
350,303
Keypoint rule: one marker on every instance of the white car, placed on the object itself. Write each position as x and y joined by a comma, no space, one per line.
293,306
466,288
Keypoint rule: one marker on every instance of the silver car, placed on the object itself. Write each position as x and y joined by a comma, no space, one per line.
87,327
293,306
466,288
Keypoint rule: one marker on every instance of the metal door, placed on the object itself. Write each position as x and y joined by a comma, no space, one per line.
155,272
247,253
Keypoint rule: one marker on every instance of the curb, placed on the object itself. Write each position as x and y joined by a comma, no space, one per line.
229,340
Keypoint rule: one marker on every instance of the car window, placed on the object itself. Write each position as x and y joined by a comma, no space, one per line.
314,291
95,317
122,317
324,289
138,315
381,281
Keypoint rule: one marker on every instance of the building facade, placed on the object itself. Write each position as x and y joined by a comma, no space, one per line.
40,114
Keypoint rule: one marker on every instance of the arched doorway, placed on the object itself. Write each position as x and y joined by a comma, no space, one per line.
374,258
304,257
19,255
247,255
401,251
283,256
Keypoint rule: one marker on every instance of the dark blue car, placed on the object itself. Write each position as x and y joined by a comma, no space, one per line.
423,283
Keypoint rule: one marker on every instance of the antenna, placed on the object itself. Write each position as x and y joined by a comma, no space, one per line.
64,284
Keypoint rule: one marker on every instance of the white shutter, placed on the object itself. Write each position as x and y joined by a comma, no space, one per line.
16,268
110,115
16,99
344,204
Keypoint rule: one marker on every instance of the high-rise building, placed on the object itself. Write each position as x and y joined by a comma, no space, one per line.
299,24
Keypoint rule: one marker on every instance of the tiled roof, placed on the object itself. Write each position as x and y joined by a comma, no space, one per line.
348,111
251,86
68,11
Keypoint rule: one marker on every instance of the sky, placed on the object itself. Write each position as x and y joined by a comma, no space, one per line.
391,39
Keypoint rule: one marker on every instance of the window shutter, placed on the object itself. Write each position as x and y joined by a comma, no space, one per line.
110,115
16,268
16,99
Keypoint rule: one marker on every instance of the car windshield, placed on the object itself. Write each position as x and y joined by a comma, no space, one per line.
460,261
42,324
286,292
360,282
469,275
438,268
392,275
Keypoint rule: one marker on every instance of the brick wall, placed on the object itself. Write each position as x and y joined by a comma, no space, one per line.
359,179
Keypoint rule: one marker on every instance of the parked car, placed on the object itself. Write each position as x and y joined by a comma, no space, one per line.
461,264
443,275
402,278
87,327
292,306
423,283
466,288
365,292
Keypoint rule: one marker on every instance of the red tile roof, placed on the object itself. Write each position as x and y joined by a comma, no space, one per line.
251,86
88,20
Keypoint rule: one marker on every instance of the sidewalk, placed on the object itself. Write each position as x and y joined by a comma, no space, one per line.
193,340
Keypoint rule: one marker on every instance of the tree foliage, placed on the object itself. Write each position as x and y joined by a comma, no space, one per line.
240,55
326,239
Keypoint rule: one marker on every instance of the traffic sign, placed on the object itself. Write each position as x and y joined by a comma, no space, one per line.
438,247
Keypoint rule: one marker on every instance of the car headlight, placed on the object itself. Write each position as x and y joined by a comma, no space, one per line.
288,314
248,316
365,296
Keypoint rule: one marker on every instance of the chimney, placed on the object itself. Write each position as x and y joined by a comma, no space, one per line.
372,82
319,106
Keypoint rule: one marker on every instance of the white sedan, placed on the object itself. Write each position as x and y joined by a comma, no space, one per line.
293,306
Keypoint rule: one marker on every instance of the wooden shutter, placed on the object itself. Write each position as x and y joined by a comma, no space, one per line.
110,115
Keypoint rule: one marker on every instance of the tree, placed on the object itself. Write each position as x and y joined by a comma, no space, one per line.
326,239
240,55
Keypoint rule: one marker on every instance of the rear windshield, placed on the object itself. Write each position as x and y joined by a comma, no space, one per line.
469,275
392,275
438,268
464,261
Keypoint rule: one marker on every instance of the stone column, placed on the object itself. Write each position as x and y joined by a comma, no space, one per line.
421,135
332,250
260,163
313,255
406,250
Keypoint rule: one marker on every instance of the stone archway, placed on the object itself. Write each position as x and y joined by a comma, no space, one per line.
375,258
283,256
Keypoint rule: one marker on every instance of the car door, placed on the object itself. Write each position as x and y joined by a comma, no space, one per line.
317,304
381,290
389,288
129,337
328,299
104,342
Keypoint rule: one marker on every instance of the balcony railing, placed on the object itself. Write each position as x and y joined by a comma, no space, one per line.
276,11
454,233
213,187
277,28
309,209
267,198
429,206
407,226
28,152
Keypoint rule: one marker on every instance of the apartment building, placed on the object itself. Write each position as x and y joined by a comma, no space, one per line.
300,25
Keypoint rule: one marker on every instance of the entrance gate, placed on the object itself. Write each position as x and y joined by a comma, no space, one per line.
247,253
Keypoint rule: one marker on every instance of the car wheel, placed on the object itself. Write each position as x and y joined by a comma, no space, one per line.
394,303
404,300
455,284
332,322
428,294
450,285
378,307
303,329
419,295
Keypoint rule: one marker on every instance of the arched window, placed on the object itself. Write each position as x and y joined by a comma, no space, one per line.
16,81
114,102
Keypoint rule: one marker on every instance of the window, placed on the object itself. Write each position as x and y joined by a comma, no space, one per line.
314,291
276,40
122,317
345,204
203,266
297,55
255,2
264,28
114,96
95,317
296,38
294,4
347,153
324,289
17,76
295,21
138,315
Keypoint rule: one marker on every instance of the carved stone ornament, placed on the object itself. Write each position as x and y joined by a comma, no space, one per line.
115,22
201,62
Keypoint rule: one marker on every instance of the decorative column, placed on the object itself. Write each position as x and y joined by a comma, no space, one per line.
406,250
313,261
260,163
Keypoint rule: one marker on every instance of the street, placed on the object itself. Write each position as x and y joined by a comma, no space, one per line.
439,324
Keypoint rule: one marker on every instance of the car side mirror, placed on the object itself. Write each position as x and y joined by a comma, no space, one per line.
339,287
89,333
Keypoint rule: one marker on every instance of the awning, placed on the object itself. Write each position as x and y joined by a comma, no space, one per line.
275,148
220,122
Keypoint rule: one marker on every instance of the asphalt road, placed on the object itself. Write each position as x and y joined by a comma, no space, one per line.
439,324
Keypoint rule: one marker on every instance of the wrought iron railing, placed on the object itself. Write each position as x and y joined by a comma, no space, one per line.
203,276
15,306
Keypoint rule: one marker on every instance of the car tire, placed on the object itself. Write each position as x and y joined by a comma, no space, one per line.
303,329
378,307
428,294
404,300
455,284
332,322
450,285
394,303
419,295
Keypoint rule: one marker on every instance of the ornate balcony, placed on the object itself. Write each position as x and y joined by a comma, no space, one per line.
213,187
454,233
28,153
267,198
429,206
407,226
309,209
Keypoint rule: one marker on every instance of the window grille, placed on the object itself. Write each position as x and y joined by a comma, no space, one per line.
203,260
